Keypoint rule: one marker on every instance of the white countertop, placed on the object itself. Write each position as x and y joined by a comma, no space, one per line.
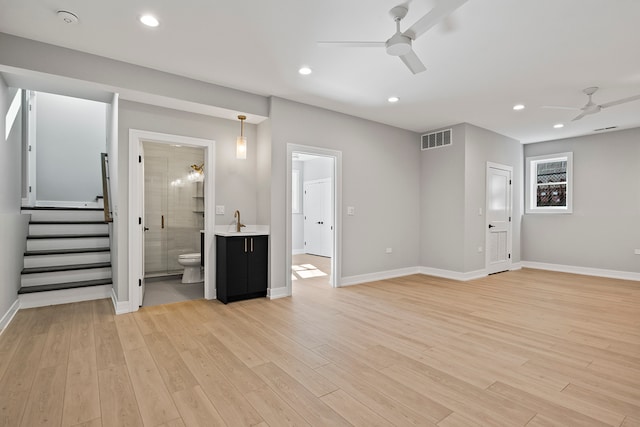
248,230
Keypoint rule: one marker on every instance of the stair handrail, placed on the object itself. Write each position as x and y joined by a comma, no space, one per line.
106,188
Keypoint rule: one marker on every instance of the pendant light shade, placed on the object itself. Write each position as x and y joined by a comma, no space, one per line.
241,142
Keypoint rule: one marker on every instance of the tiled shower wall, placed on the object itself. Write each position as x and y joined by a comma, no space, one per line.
170,193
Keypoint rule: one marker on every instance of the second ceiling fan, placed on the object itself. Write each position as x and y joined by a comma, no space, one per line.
399,44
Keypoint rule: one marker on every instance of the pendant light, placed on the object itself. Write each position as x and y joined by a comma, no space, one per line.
241,142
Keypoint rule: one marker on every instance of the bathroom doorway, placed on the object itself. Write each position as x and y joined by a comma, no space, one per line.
314,230
179,200
173,220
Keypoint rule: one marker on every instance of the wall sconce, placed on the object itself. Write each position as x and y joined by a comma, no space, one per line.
241,142
197,173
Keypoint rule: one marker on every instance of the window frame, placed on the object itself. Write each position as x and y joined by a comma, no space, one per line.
532,184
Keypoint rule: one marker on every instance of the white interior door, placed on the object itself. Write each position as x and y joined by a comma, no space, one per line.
318,221
499,208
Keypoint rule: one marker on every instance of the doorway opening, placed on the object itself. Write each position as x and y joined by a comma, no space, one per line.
314,225
162,164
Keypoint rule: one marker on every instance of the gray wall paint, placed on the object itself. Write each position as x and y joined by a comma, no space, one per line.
133,82
484,146
442,204
14,225
381,172
454,187
235,179
70,135
604,229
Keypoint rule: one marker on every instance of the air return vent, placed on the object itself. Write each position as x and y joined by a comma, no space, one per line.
436,139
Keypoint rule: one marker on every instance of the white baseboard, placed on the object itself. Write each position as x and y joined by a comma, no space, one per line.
587,271
453,275
64,296
516,266
274,293
380,275
8,316
120,307
297,252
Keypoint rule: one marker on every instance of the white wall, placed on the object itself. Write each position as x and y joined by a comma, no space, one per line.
297,219
70,135
13,227
381,173
604,228
235,179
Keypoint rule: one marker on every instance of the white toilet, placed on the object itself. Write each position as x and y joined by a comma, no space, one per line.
192,268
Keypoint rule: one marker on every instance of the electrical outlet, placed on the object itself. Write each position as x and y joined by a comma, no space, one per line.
389,250
479,211
351,210
220,210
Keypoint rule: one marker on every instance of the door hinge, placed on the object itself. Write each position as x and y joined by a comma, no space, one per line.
139,159
29,189
140,282
30,107
509,182
140,220
509,219
29,148
509,256
305,243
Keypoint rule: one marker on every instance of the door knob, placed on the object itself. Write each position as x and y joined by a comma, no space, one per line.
491,226
320,222
145,228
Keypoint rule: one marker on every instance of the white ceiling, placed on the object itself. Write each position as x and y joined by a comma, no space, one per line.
497,53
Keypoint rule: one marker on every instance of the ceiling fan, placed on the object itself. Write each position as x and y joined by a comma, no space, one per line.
400,43
591,107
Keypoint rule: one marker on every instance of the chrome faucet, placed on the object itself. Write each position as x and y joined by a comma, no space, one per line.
238,223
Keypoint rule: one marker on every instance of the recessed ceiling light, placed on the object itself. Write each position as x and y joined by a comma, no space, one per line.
393,99
305,71
518,107
558,126
149,20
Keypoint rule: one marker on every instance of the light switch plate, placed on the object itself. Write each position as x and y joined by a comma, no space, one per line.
219,209
351,210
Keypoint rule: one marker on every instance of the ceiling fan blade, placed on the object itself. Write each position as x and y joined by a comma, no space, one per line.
578,117
433,17
558,107
352,44
412,61
620,101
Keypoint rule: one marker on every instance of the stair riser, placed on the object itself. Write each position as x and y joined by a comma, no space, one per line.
66,259
60,215
65,296
64,276
43,229
76,243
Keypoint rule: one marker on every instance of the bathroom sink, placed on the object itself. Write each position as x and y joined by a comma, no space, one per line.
249,230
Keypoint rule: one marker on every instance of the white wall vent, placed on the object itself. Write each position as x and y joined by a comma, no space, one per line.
436,139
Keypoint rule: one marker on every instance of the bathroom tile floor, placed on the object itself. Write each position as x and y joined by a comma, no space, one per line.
169,289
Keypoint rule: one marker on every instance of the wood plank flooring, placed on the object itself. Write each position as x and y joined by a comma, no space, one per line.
523,348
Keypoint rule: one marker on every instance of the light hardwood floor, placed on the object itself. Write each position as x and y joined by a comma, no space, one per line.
520,348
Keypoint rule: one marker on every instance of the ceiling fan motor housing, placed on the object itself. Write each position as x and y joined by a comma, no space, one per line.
398,45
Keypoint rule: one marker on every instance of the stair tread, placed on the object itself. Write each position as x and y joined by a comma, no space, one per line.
65,236
65,251
54,268
66,222
58,208
61,286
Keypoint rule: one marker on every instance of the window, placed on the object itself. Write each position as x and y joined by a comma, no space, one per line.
549,183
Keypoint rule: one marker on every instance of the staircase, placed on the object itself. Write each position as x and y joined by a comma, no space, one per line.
67,257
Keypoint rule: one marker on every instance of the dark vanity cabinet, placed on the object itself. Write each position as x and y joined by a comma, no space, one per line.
241,270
